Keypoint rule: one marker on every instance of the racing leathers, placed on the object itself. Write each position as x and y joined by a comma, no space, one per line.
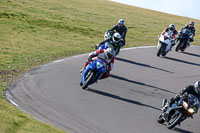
122,30
192,30
101,54
172,34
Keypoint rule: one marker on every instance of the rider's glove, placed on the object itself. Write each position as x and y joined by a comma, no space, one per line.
96,46
191,39
178,96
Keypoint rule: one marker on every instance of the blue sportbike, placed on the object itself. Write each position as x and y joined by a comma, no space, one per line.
93,71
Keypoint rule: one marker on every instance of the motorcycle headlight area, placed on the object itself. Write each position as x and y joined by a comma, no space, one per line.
191,110
185,105
99,65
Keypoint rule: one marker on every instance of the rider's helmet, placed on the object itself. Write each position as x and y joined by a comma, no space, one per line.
121,23
109,53
191,24
172,27
197,87
116,38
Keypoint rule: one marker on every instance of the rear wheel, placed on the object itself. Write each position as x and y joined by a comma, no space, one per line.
164,53
184,46
88,79
175,119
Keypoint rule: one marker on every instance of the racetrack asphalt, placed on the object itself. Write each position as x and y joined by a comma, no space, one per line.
127,102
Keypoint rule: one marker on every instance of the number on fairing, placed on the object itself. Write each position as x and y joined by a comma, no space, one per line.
99,65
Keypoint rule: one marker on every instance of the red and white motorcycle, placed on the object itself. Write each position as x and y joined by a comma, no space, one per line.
164,44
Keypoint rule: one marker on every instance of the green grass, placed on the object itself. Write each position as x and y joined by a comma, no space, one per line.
34,32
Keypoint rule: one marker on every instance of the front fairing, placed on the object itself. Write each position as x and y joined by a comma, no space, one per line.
184,34
192,102
164,40
98,65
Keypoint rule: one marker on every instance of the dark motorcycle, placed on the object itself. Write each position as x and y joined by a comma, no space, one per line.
179,111
183,39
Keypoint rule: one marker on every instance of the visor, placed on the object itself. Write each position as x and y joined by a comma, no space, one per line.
116,39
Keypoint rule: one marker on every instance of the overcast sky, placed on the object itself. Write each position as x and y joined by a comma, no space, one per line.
187,8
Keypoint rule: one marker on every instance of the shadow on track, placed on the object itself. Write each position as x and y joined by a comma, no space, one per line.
139,83
141,64
192,54
120,98
182,61
179,130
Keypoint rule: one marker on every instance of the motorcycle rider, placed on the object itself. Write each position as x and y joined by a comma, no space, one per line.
190,26
172,32
115,41
190,89
121,29
107,55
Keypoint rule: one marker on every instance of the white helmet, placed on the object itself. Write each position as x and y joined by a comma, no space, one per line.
191,24
116,37
109,52
197,87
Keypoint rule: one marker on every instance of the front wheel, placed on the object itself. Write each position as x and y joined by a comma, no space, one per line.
178,46
161,50
184,46
175,119
88,79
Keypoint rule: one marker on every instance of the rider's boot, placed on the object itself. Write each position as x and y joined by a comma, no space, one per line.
165,107
81,83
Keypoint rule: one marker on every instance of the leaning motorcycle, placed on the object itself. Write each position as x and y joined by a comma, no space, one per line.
183,40
179,111
93,71
164,44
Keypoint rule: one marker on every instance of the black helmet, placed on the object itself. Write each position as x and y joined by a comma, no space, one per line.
197,87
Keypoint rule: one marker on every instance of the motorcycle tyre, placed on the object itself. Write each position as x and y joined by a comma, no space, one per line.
164,53
175,122
88,80
183,47
178,46
161,50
